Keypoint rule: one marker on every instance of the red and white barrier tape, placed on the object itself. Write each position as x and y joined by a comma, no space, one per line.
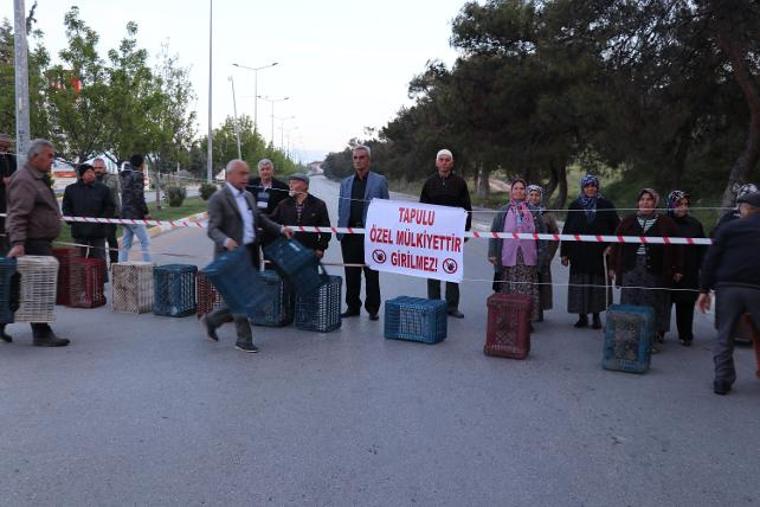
584,238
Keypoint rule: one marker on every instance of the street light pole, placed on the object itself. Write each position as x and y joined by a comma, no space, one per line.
237,124
255,90
210,151
21,80
272,102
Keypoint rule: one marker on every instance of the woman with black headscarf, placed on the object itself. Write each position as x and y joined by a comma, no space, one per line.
545,290
685,292
644,271
591,214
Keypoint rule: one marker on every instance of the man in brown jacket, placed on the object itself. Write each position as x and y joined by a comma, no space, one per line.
34,219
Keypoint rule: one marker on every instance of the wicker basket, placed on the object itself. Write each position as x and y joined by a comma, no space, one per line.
320,310
132,287
38,288
174,290
208,298
86,279
65,256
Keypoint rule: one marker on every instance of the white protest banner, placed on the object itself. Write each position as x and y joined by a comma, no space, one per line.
415,239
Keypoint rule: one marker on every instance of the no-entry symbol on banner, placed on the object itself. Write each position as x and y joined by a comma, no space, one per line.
415,239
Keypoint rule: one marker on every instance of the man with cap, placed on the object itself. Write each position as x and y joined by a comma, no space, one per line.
731,269
447,189
89,198
7,168
734,214
302,208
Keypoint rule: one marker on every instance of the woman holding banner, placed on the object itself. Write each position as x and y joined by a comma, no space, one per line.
516,262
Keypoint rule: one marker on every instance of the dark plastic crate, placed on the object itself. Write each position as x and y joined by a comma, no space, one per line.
296,263
628,336
86,280
63,289
276,310
174,290
236,279
416,319
208,298
320,309
9,280
508,330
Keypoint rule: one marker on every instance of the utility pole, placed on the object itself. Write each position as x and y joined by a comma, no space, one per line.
210,153
237,124
22,81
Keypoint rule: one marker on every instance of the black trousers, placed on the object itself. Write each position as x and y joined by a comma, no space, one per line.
39,247
113,244
730,304
452,292
684,303
352,248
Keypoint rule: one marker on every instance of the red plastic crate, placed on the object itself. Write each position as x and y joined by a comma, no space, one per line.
209,298
86,280
63,290
508,331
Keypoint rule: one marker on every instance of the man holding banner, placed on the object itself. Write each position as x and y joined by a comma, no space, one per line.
356,192
447,189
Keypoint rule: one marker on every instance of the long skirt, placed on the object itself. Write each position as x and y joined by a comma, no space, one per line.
586,293
545,288
657,299
521,279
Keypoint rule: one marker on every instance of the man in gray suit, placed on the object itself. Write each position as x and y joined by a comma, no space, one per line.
233,222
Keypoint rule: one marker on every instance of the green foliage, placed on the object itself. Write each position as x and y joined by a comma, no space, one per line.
176,195
207,190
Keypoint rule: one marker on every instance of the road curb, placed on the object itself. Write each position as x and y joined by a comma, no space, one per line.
157,230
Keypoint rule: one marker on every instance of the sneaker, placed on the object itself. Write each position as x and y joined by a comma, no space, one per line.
456,313
721,388
210,330
250,348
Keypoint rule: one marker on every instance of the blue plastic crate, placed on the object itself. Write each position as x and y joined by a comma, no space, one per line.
416,319
297,264
236,279
174,290
628,336
276,310
7,296
319,310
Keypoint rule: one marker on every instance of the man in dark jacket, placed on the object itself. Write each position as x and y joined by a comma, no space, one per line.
302,208
447,189
114,186
7,168
731,269
233,222
133,206
89,198
34,219
267,190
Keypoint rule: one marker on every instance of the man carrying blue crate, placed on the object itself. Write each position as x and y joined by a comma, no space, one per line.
731,269
233,222
34,219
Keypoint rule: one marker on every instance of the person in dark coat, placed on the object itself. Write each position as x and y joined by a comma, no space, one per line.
7,168
731,269
267,190
447,189
746,189
685,292
592,214
112,182
133,206
89,198
645,272
302,208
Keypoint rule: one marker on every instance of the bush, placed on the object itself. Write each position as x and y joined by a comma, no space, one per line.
207,190
176,196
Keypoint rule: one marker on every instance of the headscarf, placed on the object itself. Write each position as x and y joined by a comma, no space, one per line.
540,190
673,198
653,193
520,207
586,202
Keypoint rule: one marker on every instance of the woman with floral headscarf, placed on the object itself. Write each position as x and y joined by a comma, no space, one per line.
546,294
516,261
590,214
685,292
646,271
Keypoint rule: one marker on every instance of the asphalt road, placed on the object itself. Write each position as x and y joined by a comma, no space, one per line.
142,410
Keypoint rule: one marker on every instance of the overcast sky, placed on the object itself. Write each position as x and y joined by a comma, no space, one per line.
345,64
